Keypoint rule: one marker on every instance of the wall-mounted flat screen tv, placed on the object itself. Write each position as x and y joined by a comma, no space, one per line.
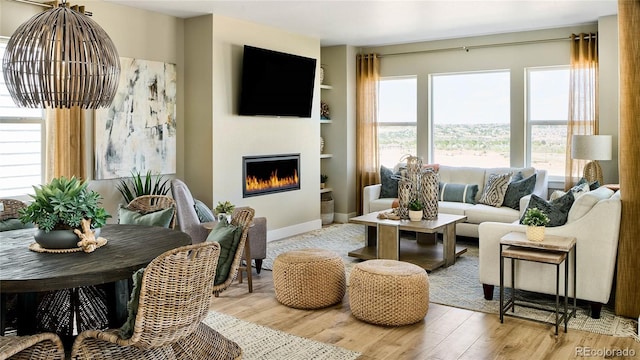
276,83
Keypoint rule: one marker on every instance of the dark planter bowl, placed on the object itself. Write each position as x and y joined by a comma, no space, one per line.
59,239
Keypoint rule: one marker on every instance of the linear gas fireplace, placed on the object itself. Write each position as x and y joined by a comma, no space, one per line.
270,174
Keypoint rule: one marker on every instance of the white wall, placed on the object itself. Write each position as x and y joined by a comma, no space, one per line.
233,136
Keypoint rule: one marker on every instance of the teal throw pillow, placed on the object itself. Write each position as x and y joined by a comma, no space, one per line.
463,193
557,210
389,183
517,189
495,189
156,218
203,211
228,236
592,185
126,330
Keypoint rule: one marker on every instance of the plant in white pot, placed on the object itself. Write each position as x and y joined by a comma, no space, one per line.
536,220
415,210
59,208
224,209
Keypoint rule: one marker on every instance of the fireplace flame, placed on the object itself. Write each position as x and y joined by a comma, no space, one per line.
274,182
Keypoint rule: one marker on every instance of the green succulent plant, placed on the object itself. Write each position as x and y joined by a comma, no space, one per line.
535,217
224,208
63,204
416,205
131,189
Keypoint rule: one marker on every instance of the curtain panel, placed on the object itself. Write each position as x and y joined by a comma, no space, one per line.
583,98
65,139
367,159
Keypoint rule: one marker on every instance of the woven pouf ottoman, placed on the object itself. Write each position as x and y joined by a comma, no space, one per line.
388,292
309,278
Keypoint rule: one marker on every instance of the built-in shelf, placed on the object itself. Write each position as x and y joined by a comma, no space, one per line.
325,190
325,121
327,87
325,156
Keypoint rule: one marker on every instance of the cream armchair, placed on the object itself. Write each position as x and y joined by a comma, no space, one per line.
594,219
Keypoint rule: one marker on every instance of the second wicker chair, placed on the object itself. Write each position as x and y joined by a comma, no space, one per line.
174,300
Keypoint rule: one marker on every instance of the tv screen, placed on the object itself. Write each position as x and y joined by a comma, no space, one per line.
276,83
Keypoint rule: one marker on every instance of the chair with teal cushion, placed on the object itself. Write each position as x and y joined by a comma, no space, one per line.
152,210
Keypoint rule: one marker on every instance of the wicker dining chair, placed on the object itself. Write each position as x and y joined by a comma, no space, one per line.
242,216
45,346
150,203
173,301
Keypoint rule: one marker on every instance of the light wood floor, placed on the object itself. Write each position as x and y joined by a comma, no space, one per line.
445,333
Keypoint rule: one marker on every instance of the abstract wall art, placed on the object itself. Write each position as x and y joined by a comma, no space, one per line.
138,131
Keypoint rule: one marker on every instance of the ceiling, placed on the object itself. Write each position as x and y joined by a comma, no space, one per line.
383,22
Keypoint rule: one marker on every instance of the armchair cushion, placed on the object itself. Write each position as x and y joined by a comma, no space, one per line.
389,183
157,218
557,210
126,330
228,236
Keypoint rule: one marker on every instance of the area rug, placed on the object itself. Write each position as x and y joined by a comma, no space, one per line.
457,285
262,343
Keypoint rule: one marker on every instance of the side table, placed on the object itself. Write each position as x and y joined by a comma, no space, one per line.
552,250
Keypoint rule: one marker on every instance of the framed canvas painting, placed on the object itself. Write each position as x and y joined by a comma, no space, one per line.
138,131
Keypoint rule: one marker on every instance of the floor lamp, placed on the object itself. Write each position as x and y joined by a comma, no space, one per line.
594,148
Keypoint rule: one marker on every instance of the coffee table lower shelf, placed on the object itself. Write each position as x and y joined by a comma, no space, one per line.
429,257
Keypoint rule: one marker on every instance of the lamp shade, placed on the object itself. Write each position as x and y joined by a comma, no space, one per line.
61,58
591,147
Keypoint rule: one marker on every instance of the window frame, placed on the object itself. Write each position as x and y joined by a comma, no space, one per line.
397,123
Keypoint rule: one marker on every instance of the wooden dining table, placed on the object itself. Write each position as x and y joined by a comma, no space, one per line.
129,247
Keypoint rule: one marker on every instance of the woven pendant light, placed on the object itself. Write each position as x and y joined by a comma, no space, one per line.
61,58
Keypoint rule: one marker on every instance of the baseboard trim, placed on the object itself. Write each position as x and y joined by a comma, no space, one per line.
288,231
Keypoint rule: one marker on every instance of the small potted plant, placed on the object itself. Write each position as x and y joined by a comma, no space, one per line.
224,209
415,210
59,208
535,220
323,180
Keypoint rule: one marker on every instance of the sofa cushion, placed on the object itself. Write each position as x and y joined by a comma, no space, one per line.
453,208
557,210
481,213
583,204
464,193
495,189
381,204
592,185
518,188
389,183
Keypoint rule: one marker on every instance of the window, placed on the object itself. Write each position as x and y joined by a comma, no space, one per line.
547,116
470,118
397,119
21,144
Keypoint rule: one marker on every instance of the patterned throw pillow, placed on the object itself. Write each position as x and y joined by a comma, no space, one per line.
592,186
518,187
557,210
495,189
463,193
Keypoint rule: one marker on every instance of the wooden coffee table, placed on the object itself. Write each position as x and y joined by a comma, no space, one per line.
383,240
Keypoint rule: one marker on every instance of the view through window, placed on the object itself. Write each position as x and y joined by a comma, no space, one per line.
21,143
470,117
547,116
397,119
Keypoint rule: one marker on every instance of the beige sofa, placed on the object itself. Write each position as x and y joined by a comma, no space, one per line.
594,219
475,213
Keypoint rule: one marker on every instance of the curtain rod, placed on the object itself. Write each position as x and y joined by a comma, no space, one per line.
47,5
472,47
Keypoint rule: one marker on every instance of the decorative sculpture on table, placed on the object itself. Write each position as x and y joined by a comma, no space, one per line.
417,182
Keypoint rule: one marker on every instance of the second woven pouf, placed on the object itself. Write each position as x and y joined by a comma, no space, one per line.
309,278
388,292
